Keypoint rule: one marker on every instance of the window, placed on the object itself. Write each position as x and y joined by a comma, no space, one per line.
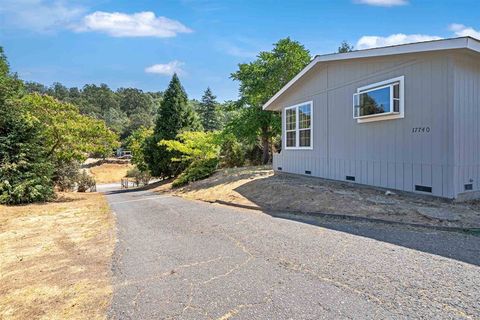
298,126
379,101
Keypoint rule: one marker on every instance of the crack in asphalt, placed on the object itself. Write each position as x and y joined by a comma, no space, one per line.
238,247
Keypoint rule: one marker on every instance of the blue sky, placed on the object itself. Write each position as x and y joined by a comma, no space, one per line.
140,43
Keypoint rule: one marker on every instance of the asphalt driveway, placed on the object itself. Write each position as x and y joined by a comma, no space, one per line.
179,259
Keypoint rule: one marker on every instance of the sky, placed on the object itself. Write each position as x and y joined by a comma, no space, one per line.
142,43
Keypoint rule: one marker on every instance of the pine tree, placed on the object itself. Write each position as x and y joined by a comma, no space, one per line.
208,110
174,116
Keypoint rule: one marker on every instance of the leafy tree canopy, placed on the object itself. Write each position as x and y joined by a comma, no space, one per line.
259,81
195,145
25,171
66,134
136,144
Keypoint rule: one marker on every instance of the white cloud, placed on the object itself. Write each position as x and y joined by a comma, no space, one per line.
167,69
240,47
39,15
461,30
141,24
383,3
237,51
367,42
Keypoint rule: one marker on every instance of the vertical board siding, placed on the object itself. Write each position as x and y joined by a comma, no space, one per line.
466,122
383,153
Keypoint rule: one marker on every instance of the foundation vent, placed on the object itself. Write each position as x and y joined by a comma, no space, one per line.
423,188
308,172
350,178
468,187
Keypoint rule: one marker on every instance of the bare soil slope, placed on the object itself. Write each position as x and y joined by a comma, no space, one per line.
258,187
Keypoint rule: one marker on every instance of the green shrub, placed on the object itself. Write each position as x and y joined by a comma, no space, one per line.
66,174
232,153
197,170
140,177
25,183
85,182
25,170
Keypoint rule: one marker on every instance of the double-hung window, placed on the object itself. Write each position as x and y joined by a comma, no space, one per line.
379,101
298,126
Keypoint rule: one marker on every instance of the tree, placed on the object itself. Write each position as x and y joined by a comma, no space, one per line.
174,116
198,152
138,107
259,81
31,87
345,47
208,111
25,172
101,102
136,144
66,134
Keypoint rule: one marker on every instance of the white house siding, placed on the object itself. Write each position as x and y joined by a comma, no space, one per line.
467,122
383,153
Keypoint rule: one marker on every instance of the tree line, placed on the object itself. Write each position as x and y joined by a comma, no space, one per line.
179,146
45,132
42,141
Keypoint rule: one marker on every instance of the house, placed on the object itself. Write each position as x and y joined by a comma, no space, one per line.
404,117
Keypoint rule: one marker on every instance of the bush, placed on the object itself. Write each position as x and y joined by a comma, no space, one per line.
85,182
197,170
66,175
25,183
141,177
232,153
25,170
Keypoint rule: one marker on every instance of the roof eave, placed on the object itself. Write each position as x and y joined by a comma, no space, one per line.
428,46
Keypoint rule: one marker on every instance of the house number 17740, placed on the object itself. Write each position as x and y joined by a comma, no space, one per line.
421,130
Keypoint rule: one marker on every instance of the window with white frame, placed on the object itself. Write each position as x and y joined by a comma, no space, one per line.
298,126
379,101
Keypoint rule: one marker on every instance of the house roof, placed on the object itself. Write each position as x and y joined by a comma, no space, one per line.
435,45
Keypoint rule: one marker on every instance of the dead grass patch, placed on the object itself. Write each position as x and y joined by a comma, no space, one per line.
55,258
258,187
110,172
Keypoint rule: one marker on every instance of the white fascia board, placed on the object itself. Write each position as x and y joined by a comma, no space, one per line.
291,82
473,44
435,45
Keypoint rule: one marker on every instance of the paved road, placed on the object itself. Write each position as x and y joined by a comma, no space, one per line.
179,259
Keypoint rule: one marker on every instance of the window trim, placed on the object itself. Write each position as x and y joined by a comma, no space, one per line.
386,115
297,126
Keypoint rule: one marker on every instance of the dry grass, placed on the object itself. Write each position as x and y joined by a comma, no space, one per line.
110,172
259,188
222,185
55,259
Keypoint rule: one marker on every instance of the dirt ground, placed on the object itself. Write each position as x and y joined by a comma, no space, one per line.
55,258
110,172
258,187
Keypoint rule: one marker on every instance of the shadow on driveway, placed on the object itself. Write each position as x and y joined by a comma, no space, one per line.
461,246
